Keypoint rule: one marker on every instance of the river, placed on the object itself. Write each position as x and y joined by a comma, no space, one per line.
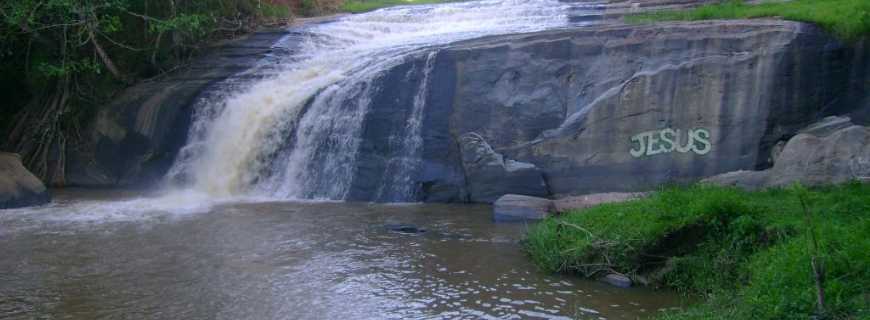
117,255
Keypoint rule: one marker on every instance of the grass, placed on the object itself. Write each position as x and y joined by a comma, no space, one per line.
848,19
359,6
745,254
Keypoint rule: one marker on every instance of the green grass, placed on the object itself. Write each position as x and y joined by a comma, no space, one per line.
358,6
848,19
745,254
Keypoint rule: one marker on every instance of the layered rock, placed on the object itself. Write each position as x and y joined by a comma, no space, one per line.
19,187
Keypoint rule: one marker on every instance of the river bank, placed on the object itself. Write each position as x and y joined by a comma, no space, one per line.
747,255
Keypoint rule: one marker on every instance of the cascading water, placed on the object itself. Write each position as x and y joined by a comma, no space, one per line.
295,132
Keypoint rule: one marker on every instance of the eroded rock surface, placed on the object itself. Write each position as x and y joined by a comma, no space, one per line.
490,175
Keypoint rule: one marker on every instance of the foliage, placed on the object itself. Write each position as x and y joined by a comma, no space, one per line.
747,254
358,6
59,58
848,19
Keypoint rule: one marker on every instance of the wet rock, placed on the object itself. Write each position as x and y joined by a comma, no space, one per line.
491,176
820,156
512,207
617,280
405,228
591,200
19,187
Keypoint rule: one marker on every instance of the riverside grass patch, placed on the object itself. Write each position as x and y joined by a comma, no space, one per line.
848,19
746,255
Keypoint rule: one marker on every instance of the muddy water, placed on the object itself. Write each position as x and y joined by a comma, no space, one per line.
99,256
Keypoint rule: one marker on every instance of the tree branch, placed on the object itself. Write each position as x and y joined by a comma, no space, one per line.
105,57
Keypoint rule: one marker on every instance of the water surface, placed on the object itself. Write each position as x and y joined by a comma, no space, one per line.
100,255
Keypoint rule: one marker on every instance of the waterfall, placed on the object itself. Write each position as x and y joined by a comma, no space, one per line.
294,131
399,185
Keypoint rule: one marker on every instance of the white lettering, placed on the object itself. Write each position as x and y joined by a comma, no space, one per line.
668,140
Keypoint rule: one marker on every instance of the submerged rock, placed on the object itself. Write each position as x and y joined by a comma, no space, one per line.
513,207
405,228
617,280
19,187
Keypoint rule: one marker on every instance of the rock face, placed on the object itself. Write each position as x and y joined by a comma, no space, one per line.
512,207
134,140
628,108
607,108
819,155
19,187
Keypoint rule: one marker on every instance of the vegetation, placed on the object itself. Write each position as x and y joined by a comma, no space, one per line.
748,255
62,57
849,19
358,6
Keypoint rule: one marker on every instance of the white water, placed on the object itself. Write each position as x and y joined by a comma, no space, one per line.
263,140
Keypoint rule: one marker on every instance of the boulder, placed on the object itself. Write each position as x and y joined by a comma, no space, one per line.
513,207
816,157
19,187
591,200
809,159
491,176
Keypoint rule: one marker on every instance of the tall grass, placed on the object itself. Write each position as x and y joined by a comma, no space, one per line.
848,19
